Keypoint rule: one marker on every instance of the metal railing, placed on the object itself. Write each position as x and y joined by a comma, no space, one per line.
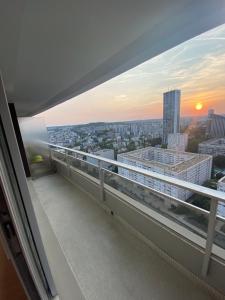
214,195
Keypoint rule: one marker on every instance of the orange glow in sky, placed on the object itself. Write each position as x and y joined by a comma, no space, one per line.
198,106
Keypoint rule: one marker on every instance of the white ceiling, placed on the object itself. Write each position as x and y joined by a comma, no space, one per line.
52,50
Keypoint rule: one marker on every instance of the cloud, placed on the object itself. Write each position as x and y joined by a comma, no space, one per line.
121,97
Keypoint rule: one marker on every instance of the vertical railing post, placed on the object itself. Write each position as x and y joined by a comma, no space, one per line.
74,159
50,156
210,236
101,180
50,153
67,162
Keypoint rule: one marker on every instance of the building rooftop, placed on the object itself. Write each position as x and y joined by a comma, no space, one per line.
178,160
218,116
215,142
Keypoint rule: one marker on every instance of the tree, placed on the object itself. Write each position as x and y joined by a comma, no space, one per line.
155,141
197,132
164,146
219,176
196,136
211,183
193,145
203,201
131,146
219,161
200,201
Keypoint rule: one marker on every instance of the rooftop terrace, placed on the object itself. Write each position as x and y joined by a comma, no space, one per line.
215,142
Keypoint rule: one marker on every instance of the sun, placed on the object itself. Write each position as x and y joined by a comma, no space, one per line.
198,106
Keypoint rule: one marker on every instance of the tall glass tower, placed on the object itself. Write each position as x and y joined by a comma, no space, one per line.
171,113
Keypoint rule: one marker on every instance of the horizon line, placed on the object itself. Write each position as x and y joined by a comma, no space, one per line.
122,121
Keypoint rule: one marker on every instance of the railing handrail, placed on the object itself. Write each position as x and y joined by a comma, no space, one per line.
159,193
212,194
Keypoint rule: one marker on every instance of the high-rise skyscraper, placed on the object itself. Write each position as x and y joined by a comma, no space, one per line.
171,113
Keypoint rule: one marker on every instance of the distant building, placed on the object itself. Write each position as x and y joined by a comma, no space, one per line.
213,147
185,122
221,205
215,125
177,141
211,111
171,113
191,167
105,153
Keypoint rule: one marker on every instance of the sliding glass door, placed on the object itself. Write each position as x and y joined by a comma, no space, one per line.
14,184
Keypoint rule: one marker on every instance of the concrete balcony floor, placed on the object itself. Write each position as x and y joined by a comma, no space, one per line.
105,259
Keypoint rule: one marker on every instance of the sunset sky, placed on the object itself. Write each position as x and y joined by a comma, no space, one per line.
196,67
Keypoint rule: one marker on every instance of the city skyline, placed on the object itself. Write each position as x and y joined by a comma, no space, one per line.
196,67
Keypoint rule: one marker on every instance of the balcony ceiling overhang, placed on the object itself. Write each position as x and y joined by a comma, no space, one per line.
52,50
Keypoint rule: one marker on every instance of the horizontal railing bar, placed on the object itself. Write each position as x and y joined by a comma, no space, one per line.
189,205
213,194
76,158
85,161
220,218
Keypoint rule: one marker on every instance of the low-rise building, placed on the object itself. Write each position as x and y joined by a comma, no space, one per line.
213,147
191,167
106,153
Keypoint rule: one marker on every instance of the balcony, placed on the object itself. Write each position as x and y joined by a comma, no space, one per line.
107,237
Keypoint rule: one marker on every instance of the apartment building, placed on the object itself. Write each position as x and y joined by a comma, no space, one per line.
213,147
215,125
221,205
105,153
177,141
195,168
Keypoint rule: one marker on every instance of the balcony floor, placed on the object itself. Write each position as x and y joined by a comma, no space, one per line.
107,260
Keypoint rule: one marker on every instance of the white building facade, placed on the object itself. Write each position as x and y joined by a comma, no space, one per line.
177,141
213,147
186,166
221,205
